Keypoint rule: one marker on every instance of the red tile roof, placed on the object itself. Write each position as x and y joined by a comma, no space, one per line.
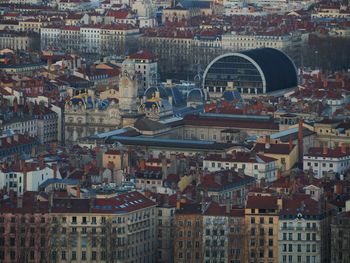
328,152
262,202
143,54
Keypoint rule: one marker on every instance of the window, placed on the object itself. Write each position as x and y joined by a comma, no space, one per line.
63,255
74,255
93,255
83,255
299,248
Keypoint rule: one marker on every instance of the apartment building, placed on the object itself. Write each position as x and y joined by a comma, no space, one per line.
324,161
261,219
26,176
304,234
122,228
237,42
118,229
165,227
227,186
340,238
89,38
18,40
256,165
224,234
10,145
188,239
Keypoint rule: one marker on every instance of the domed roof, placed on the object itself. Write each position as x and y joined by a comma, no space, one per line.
149,93
165,92
196,95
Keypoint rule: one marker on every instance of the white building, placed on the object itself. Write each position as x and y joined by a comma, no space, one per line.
237,42
325,161
258,166
26,176
146,65
27,125
301,238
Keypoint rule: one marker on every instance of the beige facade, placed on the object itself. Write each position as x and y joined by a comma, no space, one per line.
82,122
16,40
165,233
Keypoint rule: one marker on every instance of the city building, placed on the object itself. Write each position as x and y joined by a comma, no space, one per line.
262,225
146,65
26,176
237,41
305,234
227,186
13,144
340,238
285,153
255,165
327,162
18,40
251,72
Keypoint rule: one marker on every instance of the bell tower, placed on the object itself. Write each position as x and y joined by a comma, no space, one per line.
128,93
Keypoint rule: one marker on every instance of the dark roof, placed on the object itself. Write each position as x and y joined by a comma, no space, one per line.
231,121
173,143
195,4
274,148
279,70
148,125
262,202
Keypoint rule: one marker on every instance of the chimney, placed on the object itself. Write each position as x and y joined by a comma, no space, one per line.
267,142
50,200
338,188
279,174
19,202
164,167
325,149
41,160
300,144
279,203
86,168
230,177
91,204
24,178
325,83
240,172
228,206
217,178
178,200
78,191
54,168
142,165
343,148
9,139
166,200
290,144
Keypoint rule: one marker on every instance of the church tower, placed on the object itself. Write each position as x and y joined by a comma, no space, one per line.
128,93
